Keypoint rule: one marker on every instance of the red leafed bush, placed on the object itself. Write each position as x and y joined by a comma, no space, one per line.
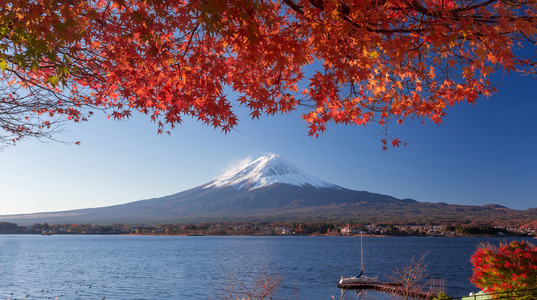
508,271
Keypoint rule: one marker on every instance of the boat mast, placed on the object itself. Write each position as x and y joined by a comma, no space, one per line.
362,250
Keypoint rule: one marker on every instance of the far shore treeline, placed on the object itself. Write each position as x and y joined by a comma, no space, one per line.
273,228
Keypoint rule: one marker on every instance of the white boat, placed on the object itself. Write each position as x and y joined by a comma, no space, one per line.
360,278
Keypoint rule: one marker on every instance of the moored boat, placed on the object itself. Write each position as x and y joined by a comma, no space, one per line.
360,278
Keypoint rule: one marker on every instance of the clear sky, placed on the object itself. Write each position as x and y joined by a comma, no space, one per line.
485,153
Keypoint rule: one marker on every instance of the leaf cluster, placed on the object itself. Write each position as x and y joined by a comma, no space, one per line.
352,62
509,270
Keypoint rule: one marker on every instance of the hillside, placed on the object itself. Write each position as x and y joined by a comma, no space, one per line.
272,189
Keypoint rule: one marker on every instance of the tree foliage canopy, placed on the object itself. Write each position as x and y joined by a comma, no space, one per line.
508,271
346,61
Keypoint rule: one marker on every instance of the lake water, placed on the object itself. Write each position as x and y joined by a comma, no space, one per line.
199,267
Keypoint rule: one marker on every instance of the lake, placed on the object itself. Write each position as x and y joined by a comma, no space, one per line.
199,267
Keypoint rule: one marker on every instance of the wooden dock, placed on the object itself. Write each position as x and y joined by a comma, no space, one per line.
390,287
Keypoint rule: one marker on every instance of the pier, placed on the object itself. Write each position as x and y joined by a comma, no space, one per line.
392,288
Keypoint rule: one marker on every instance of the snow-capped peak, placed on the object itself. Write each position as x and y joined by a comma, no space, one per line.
266,171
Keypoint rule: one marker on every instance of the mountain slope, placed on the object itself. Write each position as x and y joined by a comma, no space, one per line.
269,189
265,171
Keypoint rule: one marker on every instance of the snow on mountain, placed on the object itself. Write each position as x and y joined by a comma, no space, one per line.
268,170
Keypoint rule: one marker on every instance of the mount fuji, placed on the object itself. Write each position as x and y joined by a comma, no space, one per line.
272,189
266,188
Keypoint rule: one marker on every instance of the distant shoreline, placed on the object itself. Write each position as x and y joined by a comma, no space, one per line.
277,235
325,235
272,229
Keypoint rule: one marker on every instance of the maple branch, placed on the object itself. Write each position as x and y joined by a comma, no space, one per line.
408,59
344,13
415,4
191,36
294,6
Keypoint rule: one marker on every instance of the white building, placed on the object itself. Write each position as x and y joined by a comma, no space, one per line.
349,230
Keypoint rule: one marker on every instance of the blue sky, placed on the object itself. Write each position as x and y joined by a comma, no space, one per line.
483,153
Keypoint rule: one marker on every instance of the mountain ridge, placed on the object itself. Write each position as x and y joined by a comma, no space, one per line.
272,189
